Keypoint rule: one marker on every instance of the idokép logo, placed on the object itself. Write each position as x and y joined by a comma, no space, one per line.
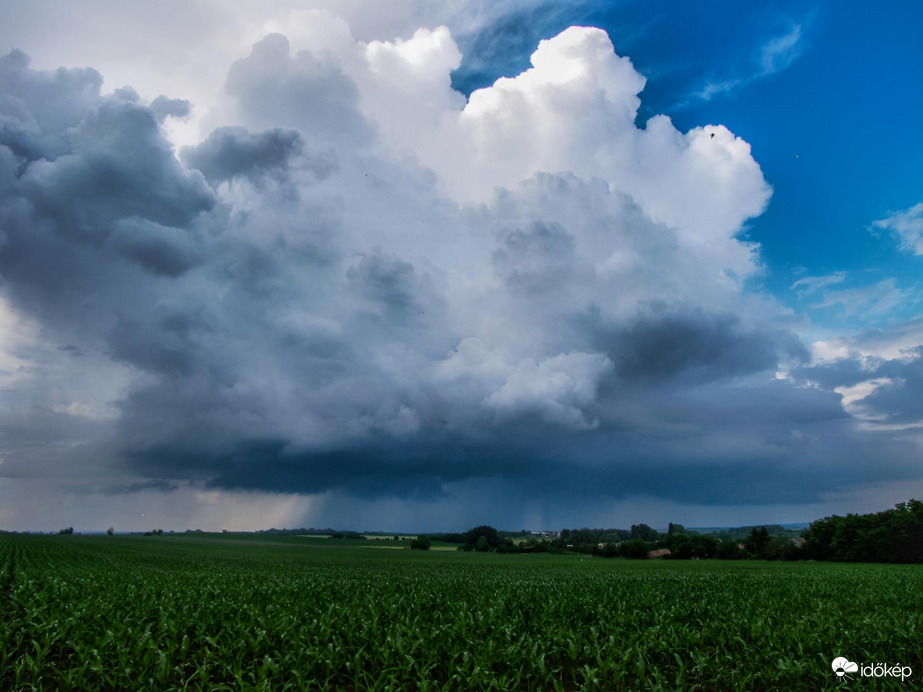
844,668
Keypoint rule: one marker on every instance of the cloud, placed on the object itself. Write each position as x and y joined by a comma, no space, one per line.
361,285
39,108
812,284
526,124
158,485
869,302
860,391
896,342
894,401
231,152
160,249
558,389
164,108
907,226
781,51
272,88
876,373
662,343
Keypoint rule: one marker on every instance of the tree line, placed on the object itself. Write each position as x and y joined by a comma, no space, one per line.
678,543
894,535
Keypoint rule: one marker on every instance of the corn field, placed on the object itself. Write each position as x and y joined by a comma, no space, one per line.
211,612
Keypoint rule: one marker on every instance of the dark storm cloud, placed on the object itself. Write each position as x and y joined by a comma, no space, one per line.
156,484
535,258
879,373
753,444
772,480
898,401
666,342
159,249
386,282
71,349
382,468
31,427
152,347
37,109
101,190
231,152
163,108
118,166
311,94
830,375
761,463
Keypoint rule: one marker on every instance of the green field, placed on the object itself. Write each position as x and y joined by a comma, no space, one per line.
203,611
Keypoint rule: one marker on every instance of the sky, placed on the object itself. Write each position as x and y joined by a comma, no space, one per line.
418,266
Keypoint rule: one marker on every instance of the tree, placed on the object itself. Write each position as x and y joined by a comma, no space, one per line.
634,549
728,550
420,543
489,533
895,535
687,546
757,541
110,531
643,532
69,531
606,550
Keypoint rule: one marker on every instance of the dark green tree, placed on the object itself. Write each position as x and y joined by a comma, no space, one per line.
489,533
729,550
643,532
688,546
634,549
894,535
757,541
420,543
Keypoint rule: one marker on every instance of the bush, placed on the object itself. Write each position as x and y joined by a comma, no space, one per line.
729,550
634,549
420,543
607,550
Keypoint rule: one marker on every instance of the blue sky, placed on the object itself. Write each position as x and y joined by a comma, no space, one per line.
421,266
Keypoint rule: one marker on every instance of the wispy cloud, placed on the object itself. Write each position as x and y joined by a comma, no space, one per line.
907,225
781,51
157,485
811,284
867,302
775,55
